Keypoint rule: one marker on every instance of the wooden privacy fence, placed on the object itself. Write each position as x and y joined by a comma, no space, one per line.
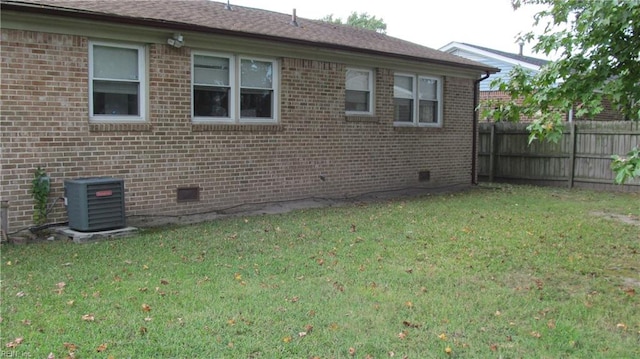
582,158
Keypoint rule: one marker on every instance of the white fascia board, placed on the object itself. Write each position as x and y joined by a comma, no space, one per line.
458,46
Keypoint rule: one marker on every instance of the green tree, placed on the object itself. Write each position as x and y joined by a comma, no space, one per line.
598,44
362,20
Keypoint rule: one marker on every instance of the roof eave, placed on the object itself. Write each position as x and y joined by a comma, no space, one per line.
482,52
90,15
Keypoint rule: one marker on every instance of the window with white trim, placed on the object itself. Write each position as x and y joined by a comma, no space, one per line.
257,91
359,92
417,100
117,82
233,89
212,87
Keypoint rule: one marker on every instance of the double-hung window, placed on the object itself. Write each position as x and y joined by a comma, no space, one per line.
359,92
117,82
212,95
417,100
257,92
233,89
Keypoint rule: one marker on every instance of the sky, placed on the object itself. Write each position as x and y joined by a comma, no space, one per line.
431,23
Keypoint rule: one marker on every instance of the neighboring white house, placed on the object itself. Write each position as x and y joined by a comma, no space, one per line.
505,61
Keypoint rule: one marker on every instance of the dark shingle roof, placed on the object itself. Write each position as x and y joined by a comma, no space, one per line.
213,17
528,59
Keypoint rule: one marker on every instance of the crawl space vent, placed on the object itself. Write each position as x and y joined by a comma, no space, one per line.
188,194
424,176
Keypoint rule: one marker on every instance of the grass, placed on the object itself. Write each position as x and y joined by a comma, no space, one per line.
494,272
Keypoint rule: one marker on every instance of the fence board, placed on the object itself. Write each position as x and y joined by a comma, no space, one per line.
581,158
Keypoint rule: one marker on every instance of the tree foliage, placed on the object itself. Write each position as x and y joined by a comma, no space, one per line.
40,189
598,45
362,20
626,167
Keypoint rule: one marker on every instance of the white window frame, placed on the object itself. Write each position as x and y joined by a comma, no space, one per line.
235,71
416,101
232,93
371,89
142,84
275,86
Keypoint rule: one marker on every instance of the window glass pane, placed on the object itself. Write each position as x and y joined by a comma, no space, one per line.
256,74
115,98
428,89
256,103
357,80
209,70
115,87
403,110
357,101
428,111
115,63
211,101
403,87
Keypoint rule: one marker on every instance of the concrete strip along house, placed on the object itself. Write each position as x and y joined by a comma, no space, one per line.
198,106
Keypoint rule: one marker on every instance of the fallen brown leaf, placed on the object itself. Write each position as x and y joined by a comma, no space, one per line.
15,342
410,325
70,346
408,304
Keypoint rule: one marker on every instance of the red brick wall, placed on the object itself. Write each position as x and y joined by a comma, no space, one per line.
45,123
607,114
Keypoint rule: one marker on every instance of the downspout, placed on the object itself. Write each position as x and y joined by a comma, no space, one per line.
4,223
474,146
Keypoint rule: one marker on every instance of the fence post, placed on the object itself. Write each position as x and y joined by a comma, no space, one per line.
492,151
572,153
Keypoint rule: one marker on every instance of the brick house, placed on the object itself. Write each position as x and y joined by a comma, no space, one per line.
200,107
506,61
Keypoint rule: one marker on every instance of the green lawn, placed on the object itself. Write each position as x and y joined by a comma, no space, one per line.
493,272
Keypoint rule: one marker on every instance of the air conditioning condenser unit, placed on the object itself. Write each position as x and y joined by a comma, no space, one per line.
95,204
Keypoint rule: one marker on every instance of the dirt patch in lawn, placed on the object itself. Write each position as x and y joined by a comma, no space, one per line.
624,218
630,276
